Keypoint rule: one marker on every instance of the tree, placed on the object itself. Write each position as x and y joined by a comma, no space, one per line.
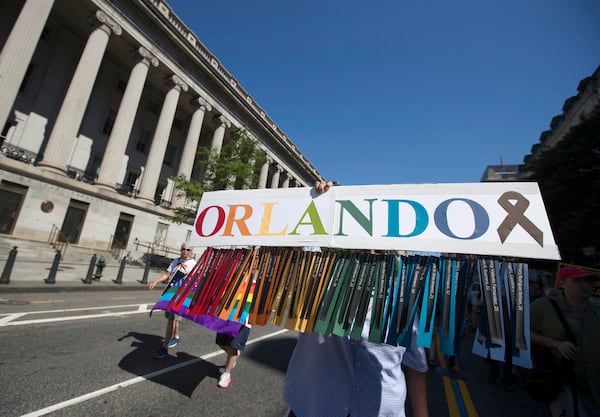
235,167
569,179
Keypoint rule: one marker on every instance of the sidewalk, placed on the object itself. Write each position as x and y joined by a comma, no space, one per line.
31,275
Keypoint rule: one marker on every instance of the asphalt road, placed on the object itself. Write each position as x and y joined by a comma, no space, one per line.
100,361
90,354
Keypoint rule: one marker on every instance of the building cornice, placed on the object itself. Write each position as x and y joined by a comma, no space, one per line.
189,42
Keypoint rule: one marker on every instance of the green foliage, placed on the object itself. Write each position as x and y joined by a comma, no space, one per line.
569,179
235,167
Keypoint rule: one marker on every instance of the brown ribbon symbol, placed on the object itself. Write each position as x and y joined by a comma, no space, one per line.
516,215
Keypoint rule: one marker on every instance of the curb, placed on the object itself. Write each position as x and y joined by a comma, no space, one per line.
25,287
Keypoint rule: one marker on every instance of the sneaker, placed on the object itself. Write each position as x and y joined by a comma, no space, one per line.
161,353
224,380
173,342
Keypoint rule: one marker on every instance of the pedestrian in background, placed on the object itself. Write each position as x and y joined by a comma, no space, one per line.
582,392
176,272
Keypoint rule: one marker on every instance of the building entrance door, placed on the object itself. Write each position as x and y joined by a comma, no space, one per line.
122,231
11,199
73,222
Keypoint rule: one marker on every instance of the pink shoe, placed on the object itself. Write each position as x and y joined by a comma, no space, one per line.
224,380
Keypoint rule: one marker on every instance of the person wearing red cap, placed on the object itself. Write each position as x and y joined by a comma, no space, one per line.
583,318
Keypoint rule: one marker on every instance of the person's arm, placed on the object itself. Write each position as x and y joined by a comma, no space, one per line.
416,389
567,349
541,314
165,275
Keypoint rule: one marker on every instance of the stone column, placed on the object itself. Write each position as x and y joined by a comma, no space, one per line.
275,177
64,134
193,136
119,136
160,139
18,50
186,164
286,181
264,173
217,140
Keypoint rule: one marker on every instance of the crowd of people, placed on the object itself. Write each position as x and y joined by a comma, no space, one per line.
324,371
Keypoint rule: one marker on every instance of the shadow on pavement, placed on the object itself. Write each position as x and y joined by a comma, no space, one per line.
274,353
141,362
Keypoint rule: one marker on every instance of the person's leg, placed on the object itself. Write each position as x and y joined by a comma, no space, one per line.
176,329
174,340
232,346
507,370
169,332
416,387
163,351
494,371
232,355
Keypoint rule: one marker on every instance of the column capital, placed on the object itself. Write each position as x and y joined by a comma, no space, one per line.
201,102
108,24
176,82
268,160
146,56
223,121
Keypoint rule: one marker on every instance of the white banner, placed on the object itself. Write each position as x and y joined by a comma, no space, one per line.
501,219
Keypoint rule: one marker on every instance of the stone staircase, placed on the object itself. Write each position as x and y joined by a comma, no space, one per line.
45,252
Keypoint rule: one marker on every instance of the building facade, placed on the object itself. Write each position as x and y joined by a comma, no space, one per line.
103,101
495,173
573,110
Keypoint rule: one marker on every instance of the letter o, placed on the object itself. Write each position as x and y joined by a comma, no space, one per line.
218,225
482,220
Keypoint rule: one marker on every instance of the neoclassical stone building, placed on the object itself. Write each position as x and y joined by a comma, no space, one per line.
102,102
574,108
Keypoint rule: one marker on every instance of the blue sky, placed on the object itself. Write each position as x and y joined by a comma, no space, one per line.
397,92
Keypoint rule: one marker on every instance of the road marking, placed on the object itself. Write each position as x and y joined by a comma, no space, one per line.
458,396
132,381
11,317
57,319
47,301
8,319
68,310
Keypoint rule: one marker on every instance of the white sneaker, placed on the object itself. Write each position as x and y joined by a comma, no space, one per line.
224,380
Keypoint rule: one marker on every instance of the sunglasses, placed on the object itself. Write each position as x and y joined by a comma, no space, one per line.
186,249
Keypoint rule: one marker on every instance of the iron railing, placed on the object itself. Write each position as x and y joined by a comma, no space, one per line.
58,240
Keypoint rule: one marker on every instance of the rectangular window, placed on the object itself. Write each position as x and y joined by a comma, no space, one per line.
160,236
111,115
131,178
143,142
170,153
159,192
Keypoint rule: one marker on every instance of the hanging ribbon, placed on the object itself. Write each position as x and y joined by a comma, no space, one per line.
354,294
